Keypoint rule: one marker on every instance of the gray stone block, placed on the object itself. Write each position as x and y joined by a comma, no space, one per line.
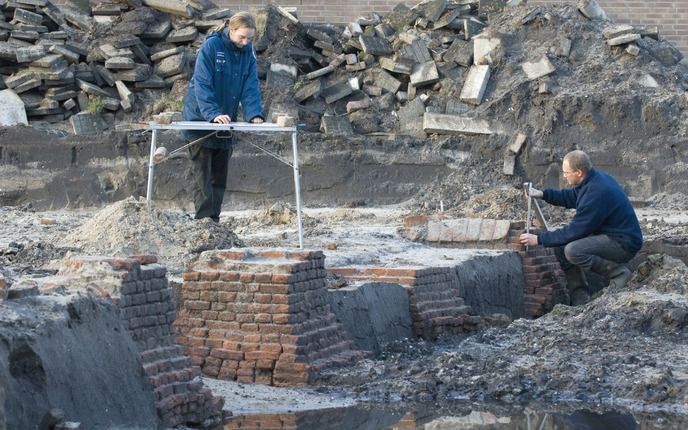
475,84
424,74
89,88
120,63
623,40
538,69
27,55
157,30
375,45
186,34
22,15
28,85
401,16
388,82
486,7
336,125
447,19
29,36
139,73
417,51
411,117
166,53
153,82
68,54
52,61
432,10
453,124
12,111
217,13
509,165
170,66
402,65
311,89
336,92
319,35
86,124
8,52
106,75
460,52
471,27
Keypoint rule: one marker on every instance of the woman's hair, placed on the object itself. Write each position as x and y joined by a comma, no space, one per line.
237,21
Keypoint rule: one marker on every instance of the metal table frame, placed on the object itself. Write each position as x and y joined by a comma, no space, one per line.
234,126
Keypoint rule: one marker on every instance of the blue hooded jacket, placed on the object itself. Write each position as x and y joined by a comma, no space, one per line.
224,75
602,207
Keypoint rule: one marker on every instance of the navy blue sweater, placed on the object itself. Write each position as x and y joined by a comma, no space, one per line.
224,75
602,207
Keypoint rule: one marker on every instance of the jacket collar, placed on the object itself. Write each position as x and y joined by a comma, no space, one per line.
588,177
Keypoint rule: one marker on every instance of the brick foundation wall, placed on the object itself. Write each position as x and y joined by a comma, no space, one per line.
261,316
140,288
670,15
545,281
434,300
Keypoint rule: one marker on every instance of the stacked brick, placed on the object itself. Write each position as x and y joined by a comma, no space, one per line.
434,298
544,279
260,316
140,288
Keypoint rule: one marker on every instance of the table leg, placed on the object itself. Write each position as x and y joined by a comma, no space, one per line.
151,167
297,186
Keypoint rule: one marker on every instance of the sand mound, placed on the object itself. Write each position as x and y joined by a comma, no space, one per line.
130,227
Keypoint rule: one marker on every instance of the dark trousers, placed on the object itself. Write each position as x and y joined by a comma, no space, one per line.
589,253
209,168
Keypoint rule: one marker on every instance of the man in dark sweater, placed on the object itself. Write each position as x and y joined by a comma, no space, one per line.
603,235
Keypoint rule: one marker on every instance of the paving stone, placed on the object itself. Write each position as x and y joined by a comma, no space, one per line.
86,124
417,51
388,82
89,88
538,69
120,63
171,66
27,55
453,124
311,89
617,30
22,15
50,74
318,35
157,30
591,10
372,90
217,13
517,144
375,45
336,125
68,54
186,34
106,75
356,105
401,16
166,53
82,21
29,36
432,10
336,92
384,30
402,65
411,117
109,51
475,84
12,111
509,164
8,51
125,95
460,52
52,61
472,27
60,93
633,50
483,47
622,40
139,73
424,74
447,19
28,85
563,48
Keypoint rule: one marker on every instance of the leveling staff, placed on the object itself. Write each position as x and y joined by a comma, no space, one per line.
224,75
604,234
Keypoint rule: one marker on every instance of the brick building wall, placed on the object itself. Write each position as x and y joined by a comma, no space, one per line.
671,16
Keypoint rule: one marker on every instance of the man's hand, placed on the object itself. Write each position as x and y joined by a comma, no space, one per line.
534,192
257,120
528,239
222,119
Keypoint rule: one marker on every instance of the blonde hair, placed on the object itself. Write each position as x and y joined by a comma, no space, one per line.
237,21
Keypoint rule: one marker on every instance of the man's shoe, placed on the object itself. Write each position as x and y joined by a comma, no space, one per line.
579,296
619,277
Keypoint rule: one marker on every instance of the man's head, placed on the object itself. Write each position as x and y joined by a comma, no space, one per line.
575,167
241,28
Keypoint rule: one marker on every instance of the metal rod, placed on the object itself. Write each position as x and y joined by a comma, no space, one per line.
181,148
297,186
529,219
151,167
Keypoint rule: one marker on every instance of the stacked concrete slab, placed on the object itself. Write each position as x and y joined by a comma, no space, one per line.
140,288
261,316
53,60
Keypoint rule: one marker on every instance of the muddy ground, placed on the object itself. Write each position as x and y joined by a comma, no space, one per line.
625,350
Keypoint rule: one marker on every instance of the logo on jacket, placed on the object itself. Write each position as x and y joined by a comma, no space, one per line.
219,61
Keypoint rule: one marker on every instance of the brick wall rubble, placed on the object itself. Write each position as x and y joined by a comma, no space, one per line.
139,286
261,316
434,299
545,283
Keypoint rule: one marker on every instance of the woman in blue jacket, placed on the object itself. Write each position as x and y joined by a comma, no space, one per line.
224,76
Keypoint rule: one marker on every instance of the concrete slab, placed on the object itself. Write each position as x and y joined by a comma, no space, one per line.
388,82
336,92
86,124
411,117
475,84
538,69
375,45
311,89
416,50
402,65
336,125
12,110
424,74
622,40
453,124
460,52
483,47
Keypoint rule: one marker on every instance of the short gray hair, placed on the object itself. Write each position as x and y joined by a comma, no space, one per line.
579,160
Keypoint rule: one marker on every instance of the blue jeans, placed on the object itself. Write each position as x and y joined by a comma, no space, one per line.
589,252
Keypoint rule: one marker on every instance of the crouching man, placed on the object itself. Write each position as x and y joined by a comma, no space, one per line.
604,233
